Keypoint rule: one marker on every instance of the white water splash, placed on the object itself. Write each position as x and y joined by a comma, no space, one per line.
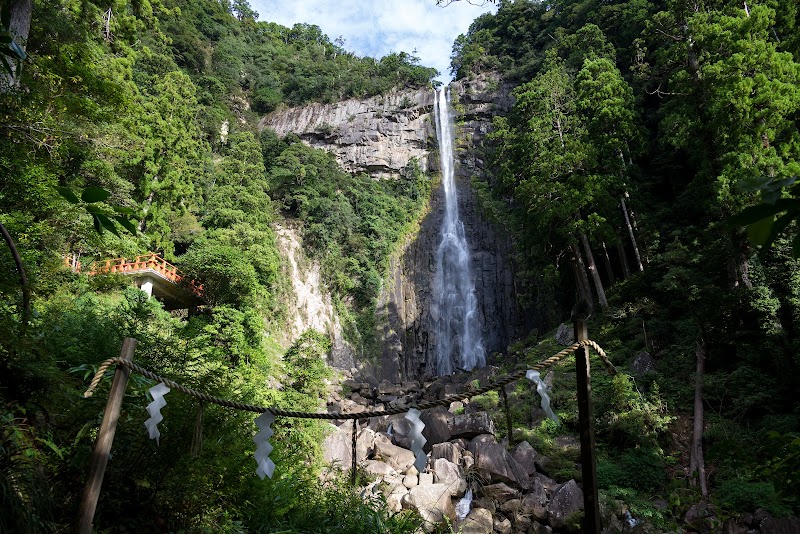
458,338
464,505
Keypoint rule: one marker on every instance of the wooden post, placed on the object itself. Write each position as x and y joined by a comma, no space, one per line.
105,438
591,507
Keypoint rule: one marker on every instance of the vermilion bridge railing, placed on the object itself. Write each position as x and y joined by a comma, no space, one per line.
147,262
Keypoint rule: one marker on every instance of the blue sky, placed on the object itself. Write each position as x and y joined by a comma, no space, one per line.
378,27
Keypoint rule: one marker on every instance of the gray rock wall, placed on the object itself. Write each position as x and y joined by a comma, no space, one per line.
379,135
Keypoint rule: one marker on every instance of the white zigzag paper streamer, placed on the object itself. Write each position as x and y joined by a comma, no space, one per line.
154,409
541,389
263,448
417,439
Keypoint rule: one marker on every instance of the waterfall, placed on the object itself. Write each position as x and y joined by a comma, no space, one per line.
458,332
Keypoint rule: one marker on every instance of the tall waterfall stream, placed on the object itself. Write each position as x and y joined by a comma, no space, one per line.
458,332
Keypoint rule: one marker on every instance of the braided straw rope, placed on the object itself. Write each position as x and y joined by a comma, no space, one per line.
544,364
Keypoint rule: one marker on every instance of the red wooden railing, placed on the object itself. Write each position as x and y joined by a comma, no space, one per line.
143,263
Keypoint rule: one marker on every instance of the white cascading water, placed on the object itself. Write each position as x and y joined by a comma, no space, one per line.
458,332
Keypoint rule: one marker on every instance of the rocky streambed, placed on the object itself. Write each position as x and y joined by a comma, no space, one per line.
506,489
474,482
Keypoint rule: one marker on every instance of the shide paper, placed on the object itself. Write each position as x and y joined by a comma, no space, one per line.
541,389
154,409
417,439
263,448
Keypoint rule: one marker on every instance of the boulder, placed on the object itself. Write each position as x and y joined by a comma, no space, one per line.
471,425
700,517
337,448
565,502
535,502
500,492
485,502
387,388
511,506
448,390
734,526
437,427
526,456
395,499
479,521
397,457
449,474
496,464
365,444
786,525
449,451
565,334
425,479
378,469
401,433
643,363
502,525
410,481
432,502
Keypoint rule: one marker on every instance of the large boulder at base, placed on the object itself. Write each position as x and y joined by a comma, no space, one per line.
565,502
787,525
437,427
432,502
449,474
495,463
397,457
526,456
479,521
449,451
469,425
337,448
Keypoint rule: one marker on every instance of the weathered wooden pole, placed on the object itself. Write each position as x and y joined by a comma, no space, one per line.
105,438
591,506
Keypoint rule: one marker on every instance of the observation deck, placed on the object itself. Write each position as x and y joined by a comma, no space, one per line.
152,274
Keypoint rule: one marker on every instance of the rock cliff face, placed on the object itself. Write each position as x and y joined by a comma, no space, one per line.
311,306
380,136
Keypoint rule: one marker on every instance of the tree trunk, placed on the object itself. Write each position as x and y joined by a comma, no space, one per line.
20,27
623,260
607,262
598,284
581,279
632,236
23,279
697,465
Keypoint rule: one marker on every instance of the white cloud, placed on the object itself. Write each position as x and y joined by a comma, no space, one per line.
378,27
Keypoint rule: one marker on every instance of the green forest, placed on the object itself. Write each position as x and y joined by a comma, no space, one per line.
646,172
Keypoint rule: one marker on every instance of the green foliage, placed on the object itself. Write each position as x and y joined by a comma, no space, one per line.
487,401
337,507
745,495
643,468
350,223
629,417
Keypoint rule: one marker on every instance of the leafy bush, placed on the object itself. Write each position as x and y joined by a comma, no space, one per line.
630,417
742,495
641,468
